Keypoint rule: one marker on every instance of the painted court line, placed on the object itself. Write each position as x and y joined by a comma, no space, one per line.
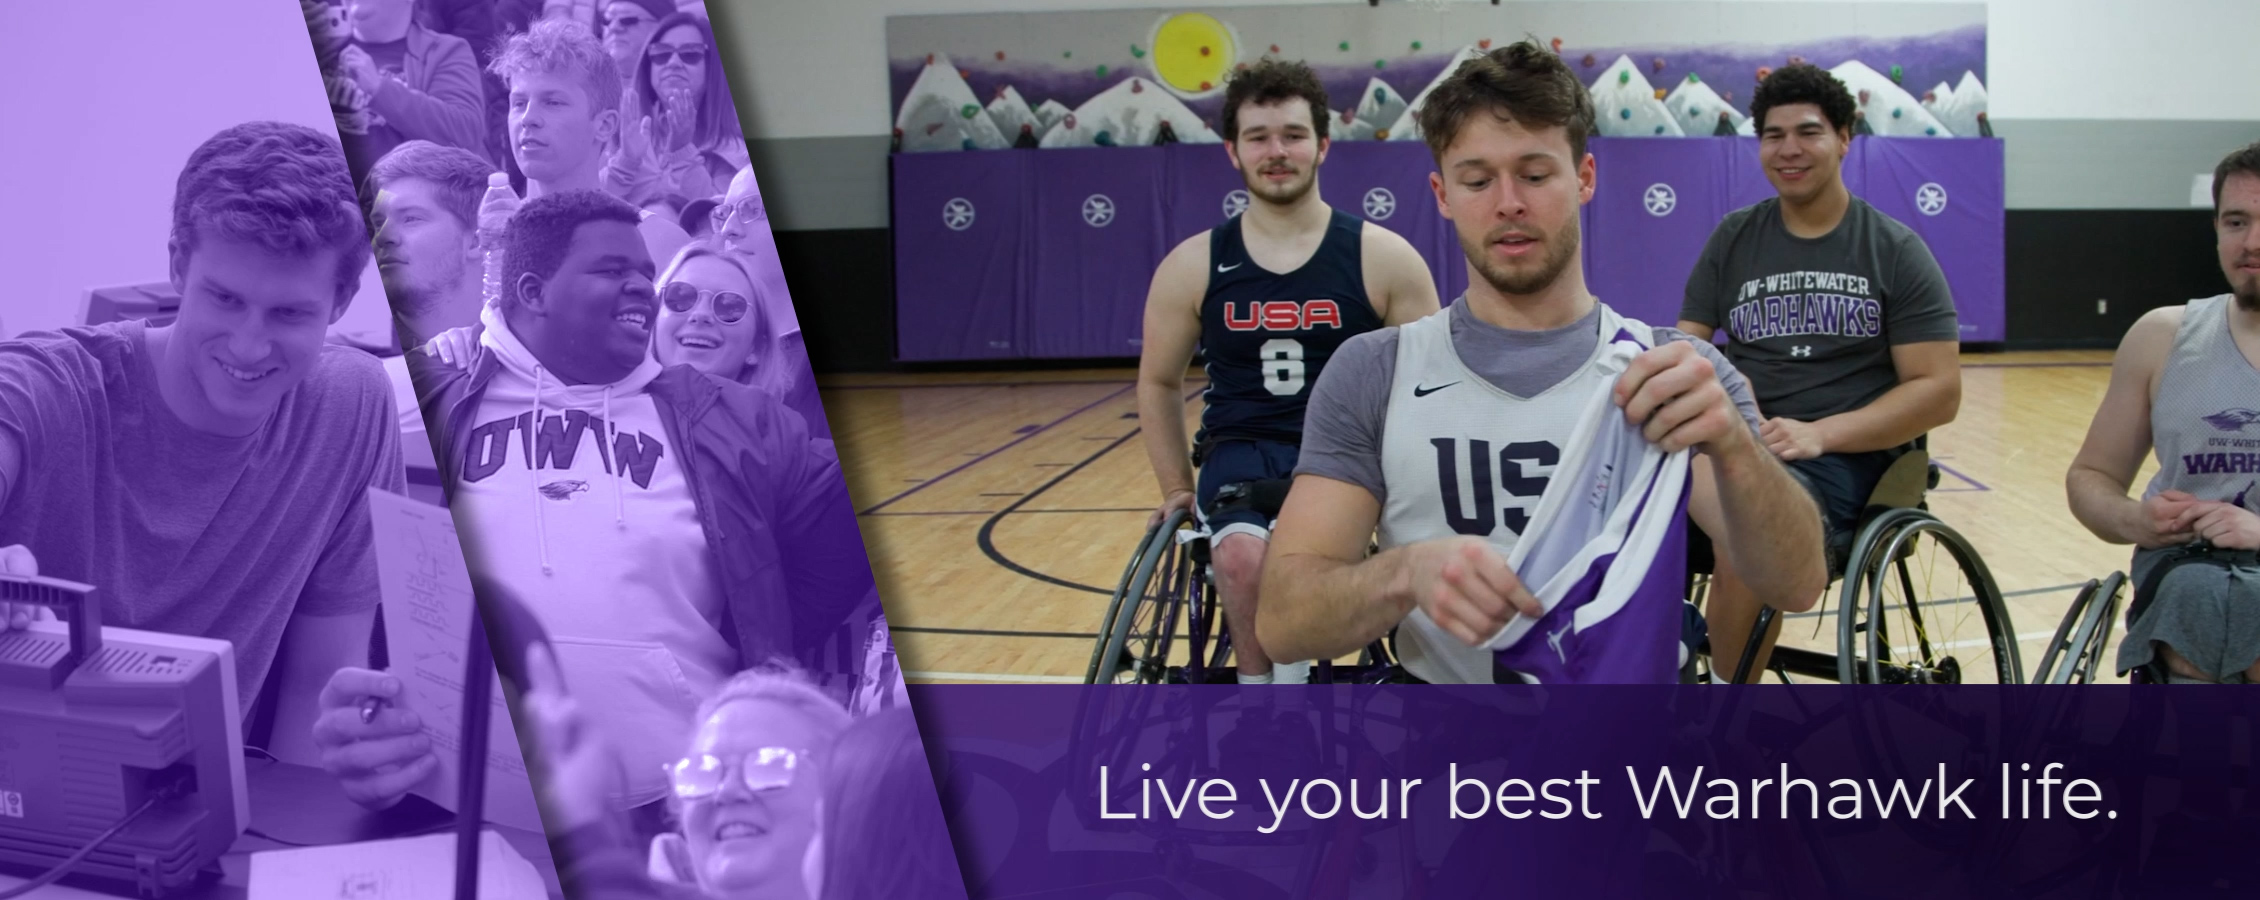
994,677
930,482
2038,365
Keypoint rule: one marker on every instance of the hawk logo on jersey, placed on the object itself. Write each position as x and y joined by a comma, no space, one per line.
1515,461
2233,419
1282,315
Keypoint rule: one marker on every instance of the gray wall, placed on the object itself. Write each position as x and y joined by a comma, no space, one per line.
2107,164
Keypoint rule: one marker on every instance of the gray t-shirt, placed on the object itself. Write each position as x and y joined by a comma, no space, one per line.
186,532
1812,320
1349,405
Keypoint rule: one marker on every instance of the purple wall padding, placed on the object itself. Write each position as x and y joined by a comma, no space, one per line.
960,267
1951,193
1043,270
1094,237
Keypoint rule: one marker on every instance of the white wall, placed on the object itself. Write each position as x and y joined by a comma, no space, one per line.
819,69
96,134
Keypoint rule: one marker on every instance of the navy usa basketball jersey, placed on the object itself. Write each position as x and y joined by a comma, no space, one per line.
1267,334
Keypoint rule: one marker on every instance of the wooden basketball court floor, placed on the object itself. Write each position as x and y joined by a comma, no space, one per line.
1000,508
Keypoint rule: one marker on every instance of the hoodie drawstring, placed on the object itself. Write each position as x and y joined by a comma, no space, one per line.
619,505
541,533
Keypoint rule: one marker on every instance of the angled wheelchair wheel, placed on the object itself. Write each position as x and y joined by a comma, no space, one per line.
2075,653
1919,607
1115,603
1141,619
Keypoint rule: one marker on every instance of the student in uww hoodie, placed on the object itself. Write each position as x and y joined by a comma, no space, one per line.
667,527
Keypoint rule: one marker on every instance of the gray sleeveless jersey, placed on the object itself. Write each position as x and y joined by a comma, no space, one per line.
2205,419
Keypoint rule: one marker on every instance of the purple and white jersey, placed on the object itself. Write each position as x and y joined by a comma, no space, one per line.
1592,517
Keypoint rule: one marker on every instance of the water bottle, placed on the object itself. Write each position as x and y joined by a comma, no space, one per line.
491,221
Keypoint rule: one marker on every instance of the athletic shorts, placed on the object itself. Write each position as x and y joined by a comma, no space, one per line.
1841,483
1233,462
2210,614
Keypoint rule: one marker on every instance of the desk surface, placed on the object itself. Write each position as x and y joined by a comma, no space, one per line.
304,806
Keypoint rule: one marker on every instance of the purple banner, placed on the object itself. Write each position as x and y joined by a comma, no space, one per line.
1654,209
1407,791
960,269
1387,184
1950,193
1070,288
1094,238
1203,189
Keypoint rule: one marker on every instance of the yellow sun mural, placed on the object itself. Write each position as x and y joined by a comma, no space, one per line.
1192,53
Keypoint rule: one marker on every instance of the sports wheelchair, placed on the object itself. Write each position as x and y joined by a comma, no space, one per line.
2076,653
1915,604
1165,623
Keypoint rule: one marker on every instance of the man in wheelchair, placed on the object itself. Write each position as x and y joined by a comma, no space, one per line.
2185,384
1446,432
1840,318
1267,297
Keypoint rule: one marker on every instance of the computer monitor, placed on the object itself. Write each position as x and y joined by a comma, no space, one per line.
95,721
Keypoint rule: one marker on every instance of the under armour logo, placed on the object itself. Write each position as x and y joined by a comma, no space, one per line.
1801,351
1554,640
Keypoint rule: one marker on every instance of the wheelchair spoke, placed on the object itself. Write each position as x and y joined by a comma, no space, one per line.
1934,615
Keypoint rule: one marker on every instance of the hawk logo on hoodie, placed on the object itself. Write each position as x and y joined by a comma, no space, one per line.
564,490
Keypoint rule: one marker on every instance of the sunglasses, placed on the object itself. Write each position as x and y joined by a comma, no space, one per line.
760,770
683,53
752,212
729,306
624,22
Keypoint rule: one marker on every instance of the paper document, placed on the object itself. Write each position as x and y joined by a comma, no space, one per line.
427,612
417,868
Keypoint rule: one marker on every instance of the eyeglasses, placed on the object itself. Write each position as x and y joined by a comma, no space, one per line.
683,53
729,306
750,210
760,770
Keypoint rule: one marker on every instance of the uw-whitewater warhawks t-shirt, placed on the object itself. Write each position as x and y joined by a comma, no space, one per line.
1811,321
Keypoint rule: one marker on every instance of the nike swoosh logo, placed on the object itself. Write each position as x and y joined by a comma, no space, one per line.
1228,268
1419,391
